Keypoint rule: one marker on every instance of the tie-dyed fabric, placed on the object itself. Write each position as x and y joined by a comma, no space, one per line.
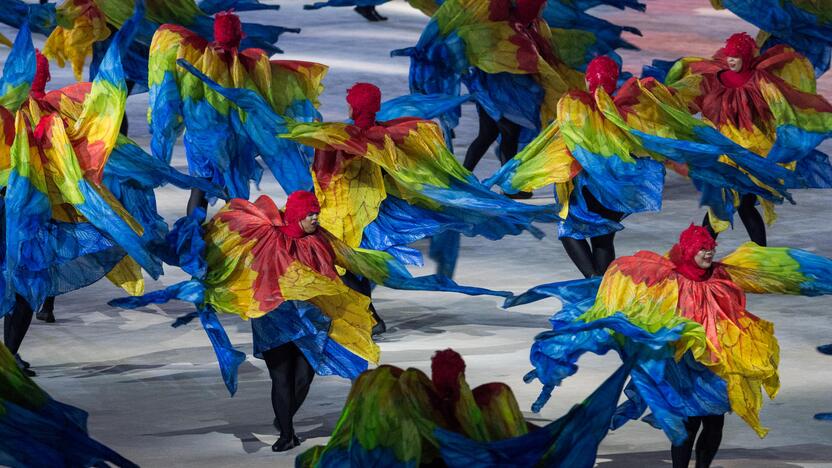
244,264
804,25
84,24
399,162
220,143
718,357
402,418
70,218
776,114
38,431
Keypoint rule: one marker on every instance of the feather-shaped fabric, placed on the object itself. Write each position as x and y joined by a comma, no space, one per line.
86,23
355,170
40,18
64,228
501,64
716,355
221,143
39,431
402,418
776,114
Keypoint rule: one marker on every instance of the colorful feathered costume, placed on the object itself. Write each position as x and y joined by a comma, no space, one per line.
768,106
38,431
403,418
79,201
609,144
383,185
64,228
84,27
504,55
720,358
804,25
216,143
251,259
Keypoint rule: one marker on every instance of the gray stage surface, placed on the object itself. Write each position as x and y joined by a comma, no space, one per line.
154,393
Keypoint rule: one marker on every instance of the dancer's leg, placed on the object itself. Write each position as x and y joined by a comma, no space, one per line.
488,133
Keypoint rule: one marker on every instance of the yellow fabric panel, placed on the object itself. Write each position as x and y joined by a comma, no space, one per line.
128,276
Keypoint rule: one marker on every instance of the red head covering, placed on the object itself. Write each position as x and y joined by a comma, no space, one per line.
743,46
691,241
740,45
527,11
228,31
365,101
299,205
446,367
602,71
42,75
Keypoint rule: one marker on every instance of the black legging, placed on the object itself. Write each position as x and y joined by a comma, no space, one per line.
489,131
291,377
706,446
593,257
198,199
751,219
17,324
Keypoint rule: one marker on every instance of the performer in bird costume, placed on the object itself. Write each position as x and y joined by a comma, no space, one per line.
601,155
84,28
385,184
282,270
504,55
39,431
801,25
723,357
78,197
765,103
217,146
396,418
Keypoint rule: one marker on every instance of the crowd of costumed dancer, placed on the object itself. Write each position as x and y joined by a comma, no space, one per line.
78,205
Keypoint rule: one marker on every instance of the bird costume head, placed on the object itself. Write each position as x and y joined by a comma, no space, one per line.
228,30
602,72
691,241
365,101
299,205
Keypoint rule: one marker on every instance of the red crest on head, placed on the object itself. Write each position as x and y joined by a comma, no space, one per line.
42,75
228,30
740,45
446,366
602,72
527,11
365,101
691,241
299,205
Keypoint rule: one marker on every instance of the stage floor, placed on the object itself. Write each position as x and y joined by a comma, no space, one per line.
154,393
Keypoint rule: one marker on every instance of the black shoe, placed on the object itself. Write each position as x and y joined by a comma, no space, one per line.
24,367
46,316
20,362
366,12
520,195
296,440
285,443
379,328
377,16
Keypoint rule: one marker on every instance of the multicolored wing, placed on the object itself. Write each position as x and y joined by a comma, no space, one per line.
805,25
578,37
428,7
262,125
164,115
571,440
779,270
41,431
611,159
375,427
18,71
81,23
251,273
500,412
